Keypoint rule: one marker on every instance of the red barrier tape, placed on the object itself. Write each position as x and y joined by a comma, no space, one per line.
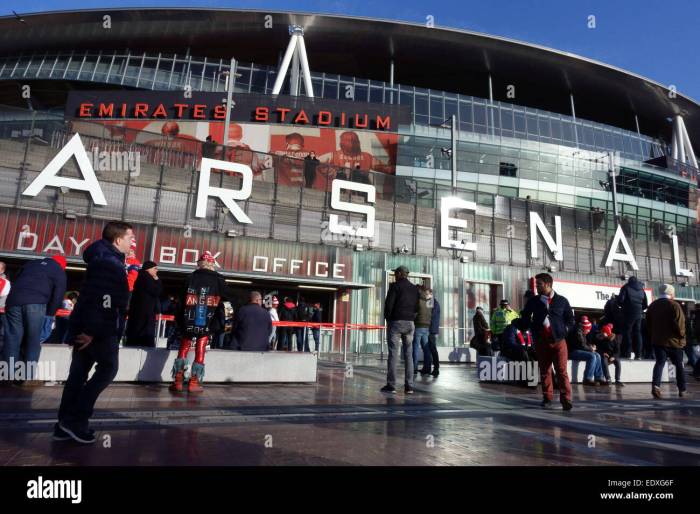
331,326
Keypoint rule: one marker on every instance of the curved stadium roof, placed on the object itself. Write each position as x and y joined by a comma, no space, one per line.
438,58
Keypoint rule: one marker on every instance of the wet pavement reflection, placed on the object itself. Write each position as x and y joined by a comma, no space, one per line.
344,419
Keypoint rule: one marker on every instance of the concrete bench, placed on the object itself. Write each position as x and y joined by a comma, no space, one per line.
453,354
500,369
155,364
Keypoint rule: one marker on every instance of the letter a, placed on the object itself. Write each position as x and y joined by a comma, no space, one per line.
48,176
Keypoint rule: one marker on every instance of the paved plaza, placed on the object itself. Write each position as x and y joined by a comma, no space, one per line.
344,419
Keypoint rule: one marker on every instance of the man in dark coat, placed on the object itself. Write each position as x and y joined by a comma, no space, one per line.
203,292
252,326
36,293
432,338
95,327
550,319
287,312
400,309
311,162
144,306
633,301
481,328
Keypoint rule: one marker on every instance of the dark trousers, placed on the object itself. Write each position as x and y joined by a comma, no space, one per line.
79,393
284,335
618,367
302,339
632,338
553,353
432,340
317,337
662,353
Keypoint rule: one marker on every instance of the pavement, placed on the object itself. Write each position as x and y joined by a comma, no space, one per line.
344,419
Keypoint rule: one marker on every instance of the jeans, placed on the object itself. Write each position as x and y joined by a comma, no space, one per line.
661,353
302,339
435,357
46,329
606,371
594,367
690,352
23,324
317,337
420,340
632,338
400,332
79,393
284,338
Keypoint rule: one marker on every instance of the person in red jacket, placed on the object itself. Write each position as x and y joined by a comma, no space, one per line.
133,266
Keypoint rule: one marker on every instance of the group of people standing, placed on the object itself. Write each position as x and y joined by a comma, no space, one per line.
413,323
548,320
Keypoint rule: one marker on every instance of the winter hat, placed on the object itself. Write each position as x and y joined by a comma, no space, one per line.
206,257
607,330
61,260
133,244
586,323
148,265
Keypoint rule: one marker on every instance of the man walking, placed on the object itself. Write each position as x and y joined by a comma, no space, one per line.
400,308
432,338
550,318
666,324
95,327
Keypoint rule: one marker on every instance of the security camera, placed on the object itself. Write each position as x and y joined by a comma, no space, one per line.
446,151
403,249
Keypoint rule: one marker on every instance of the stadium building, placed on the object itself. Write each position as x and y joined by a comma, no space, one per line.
476,161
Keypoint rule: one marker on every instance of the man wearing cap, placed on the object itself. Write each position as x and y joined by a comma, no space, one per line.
37,292
501,318
400,308
143,307
203,292
666,325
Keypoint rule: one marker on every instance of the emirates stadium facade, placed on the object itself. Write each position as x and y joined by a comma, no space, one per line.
474,160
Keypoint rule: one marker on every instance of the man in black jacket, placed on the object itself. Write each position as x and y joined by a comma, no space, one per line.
550,319
144,306
400,310
252,326
95,327
633,301
204,291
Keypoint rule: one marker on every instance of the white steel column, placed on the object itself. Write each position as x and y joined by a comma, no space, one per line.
297,50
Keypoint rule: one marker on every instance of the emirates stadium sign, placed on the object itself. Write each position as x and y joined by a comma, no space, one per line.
171,105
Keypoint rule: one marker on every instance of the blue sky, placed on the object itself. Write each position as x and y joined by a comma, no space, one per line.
658,40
